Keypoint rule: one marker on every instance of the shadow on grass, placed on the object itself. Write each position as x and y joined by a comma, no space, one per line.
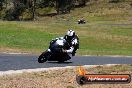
49,15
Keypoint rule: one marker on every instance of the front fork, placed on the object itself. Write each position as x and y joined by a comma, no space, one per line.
48,54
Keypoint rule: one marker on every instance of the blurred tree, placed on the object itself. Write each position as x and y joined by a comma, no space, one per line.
64,6
15,8
1,4
33,9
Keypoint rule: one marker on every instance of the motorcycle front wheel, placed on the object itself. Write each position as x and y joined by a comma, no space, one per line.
42,58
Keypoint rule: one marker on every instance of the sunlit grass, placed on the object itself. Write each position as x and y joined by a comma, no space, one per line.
97,37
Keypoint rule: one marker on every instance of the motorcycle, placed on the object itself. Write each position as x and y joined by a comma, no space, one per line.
56,53
81,21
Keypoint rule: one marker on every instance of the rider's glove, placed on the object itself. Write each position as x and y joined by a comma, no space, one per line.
64,51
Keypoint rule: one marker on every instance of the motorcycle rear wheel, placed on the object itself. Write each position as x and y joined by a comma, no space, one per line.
61,61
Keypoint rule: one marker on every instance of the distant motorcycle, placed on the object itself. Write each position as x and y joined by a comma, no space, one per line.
82,21
56,53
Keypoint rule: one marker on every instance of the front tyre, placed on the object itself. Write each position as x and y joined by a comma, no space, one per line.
42,58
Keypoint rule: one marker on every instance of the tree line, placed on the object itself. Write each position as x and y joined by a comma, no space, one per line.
14,9
29,9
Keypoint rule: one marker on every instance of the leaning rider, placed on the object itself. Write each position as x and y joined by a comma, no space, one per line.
73,41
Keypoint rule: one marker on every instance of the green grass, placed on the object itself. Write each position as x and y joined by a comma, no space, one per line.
24,38
97,36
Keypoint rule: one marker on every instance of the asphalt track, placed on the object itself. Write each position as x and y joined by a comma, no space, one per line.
18,62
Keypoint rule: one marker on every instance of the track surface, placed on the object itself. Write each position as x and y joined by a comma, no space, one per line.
18,62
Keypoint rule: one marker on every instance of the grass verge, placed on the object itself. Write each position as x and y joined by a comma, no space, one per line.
101,35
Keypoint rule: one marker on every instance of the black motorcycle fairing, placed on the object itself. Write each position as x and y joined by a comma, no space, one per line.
56,47
56,53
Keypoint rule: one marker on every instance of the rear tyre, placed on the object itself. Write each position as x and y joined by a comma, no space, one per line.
42,58
61,61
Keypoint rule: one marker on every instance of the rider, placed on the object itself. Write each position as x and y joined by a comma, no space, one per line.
73,41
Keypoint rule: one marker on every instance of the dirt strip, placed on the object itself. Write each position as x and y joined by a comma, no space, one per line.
63,78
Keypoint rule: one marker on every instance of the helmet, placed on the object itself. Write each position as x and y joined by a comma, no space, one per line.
69,35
